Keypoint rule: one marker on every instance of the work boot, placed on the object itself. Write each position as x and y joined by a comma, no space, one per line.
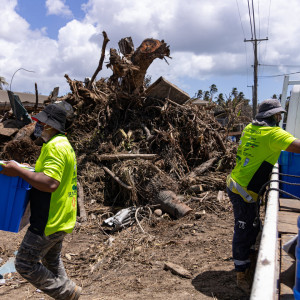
76,294
243,281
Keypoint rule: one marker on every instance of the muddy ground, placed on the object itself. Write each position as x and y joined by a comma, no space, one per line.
129,264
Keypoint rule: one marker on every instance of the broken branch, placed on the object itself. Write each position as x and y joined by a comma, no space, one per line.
99,68
116,178
125,156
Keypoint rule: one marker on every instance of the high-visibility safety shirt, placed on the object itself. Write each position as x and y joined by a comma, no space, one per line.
58,161
259,150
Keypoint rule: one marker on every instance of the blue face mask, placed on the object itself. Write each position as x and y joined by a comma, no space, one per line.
38,130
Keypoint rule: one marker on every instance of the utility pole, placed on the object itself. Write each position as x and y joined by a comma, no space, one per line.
254,94
251,89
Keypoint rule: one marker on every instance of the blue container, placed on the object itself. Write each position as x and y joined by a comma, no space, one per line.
296,288
289,164
14,192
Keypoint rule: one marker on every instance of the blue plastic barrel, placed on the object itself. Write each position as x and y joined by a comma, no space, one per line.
289,164
14,198
296,288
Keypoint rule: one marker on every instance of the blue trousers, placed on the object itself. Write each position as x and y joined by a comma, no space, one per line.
245,234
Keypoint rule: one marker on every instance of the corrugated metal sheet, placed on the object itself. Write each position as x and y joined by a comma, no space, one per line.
162,89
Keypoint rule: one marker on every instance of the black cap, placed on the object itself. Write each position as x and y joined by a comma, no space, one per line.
54,116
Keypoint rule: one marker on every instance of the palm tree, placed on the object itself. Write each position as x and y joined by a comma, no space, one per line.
2,82
200,94
235,108
212,90
206,96
220,100
234,92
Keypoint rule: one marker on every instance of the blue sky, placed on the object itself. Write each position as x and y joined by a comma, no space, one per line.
38,16
56,37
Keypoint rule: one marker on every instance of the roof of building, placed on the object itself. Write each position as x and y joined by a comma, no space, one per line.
200,102
24,97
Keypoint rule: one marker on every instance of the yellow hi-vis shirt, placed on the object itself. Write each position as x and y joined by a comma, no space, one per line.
259,150
57,160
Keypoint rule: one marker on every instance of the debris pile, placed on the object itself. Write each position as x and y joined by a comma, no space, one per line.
136,149
144,158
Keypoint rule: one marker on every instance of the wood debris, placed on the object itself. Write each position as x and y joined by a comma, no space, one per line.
177,270
133,148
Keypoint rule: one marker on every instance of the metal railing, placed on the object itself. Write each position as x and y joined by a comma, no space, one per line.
266,273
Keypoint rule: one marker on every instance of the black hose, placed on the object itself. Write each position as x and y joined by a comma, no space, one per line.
262,189
288,175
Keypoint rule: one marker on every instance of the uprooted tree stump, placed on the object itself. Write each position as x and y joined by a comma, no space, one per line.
132,67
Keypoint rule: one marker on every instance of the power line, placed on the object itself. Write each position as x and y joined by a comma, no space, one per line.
255,42
289,66
240,18
266,48
250,20
253,20
258,19
237,4
279,75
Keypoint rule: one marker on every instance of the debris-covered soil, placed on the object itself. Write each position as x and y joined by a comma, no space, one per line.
167,160
131,265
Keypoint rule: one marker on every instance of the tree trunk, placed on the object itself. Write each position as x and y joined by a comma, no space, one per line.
172,205
149,50
133,66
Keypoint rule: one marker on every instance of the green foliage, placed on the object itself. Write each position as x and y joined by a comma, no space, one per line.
199,94
234,107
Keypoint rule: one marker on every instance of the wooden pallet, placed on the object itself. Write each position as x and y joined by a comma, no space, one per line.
289,210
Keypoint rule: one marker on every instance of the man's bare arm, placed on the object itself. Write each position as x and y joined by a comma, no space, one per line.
38,180
294,146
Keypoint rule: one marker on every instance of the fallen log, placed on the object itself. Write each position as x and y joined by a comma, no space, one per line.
126,156
25,132
202,168
172,205
177,270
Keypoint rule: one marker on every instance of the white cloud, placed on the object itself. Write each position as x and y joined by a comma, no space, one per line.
58,7
205,37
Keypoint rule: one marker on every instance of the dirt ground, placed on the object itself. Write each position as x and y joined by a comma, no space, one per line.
130,264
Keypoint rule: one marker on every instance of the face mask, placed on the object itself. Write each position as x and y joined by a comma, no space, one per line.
47,133
38,130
